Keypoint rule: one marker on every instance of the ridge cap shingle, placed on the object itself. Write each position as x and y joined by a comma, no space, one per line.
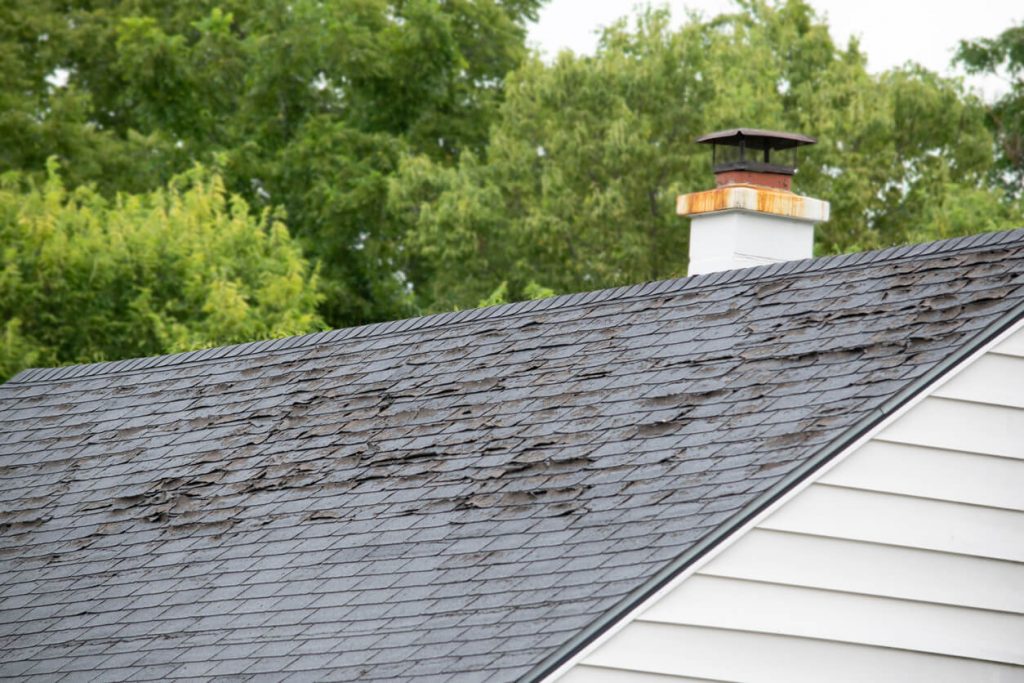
980,241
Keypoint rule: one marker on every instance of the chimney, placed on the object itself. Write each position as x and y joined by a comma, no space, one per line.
751,217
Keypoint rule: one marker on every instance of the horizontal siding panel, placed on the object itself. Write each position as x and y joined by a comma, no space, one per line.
762,658
993,378
843,617
1013,346
961,426
885,570
933,473
595,674
899,520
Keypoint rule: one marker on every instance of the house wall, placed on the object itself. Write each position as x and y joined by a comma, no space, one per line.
903,562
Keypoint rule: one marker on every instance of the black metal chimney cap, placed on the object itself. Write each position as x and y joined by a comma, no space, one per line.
756,138
751,149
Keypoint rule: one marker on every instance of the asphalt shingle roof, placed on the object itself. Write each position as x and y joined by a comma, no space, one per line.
450,498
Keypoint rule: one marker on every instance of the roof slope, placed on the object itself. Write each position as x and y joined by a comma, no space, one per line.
447,498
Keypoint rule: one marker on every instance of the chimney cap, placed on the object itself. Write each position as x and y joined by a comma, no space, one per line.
768,153
756,138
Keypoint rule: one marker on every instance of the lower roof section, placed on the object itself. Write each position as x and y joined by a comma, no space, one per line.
901,558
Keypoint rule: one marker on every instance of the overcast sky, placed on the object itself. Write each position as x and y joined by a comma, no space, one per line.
891,31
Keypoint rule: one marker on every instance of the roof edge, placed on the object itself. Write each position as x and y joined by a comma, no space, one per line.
564,301
734,524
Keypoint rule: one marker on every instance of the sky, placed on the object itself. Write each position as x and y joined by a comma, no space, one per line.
891,32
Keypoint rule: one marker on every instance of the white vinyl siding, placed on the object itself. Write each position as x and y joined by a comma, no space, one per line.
1013,346
903,562
734,655
933,473
824,510
962,425
596,674
988,381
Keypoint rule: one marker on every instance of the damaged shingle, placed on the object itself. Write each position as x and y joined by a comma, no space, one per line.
450,497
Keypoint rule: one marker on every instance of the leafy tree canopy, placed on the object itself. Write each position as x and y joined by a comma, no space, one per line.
578,186
305,104
427,161
86,279
1003,56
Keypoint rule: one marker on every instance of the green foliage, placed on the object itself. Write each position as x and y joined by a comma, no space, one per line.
1004,56
85,279
500,295
426,160
16,352
306,104
588,154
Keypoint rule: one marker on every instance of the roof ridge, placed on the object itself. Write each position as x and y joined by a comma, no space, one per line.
562,301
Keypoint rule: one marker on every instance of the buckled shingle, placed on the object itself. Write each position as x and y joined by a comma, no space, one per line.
448,497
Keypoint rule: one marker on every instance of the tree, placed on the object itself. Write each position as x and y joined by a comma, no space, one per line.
305,104
429,163
1003,55
86,279
40,118
578,186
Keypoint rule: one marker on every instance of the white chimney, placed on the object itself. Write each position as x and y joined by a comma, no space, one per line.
751,218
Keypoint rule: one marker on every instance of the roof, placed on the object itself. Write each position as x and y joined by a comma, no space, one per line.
462,497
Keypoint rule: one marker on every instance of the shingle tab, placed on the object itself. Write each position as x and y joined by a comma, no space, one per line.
445,498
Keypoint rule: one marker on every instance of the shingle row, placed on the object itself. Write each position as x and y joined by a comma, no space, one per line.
450,498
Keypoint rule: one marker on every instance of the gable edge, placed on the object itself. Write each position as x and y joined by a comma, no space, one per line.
562,660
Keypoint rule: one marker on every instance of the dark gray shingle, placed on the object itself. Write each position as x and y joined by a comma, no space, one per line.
447,498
